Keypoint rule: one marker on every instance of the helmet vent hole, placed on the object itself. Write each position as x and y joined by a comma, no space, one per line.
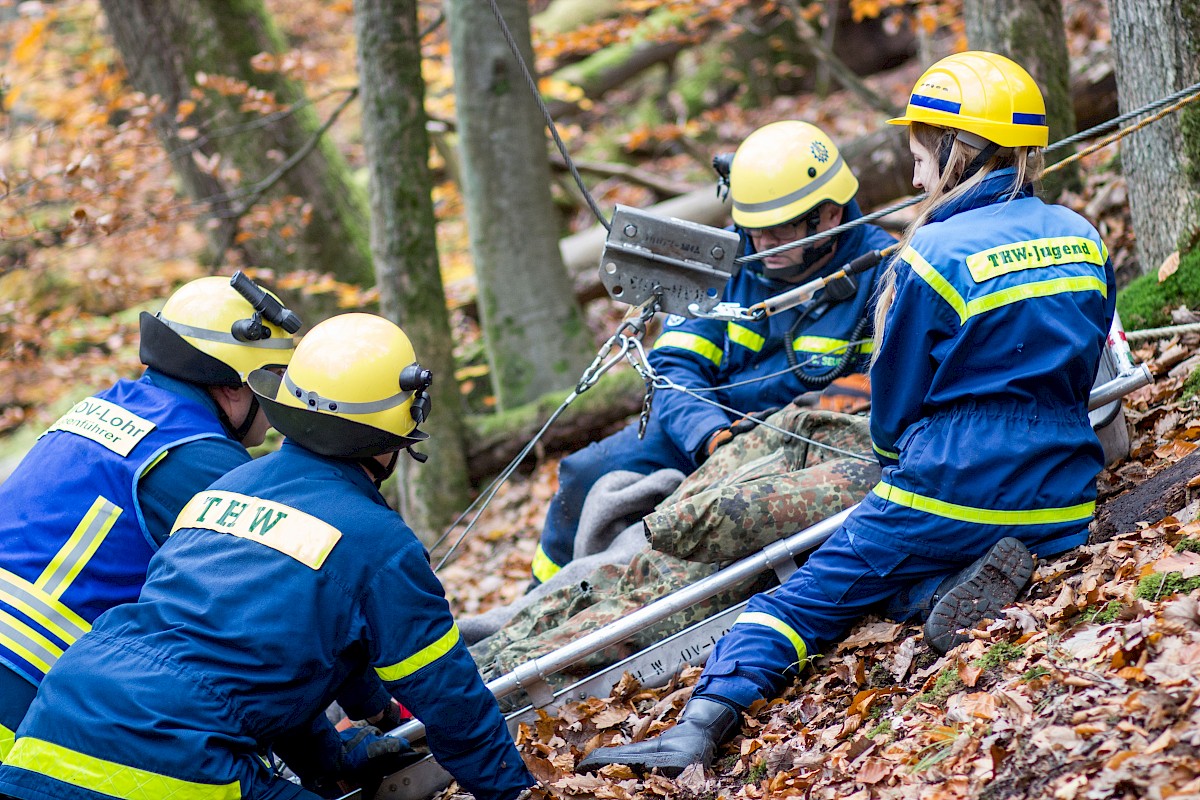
812,172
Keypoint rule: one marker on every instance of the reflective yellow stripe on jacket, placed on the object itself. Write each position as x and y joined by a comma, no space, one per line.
52,622
739,334
6,742
109,777
543,567
691,342
985,516
823,344
777,625
422,658
990,302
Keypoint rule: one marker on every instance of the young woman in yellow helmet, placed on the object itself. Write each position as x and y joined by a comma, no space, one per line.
284,584
990,333
90,503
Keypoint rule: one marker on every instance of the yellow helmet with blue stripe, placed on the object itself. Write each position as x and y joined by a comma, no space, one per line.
984,94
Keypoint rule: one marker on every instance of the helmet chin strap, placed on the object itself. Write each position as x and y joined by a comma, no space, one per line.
379,472
987,149
238,432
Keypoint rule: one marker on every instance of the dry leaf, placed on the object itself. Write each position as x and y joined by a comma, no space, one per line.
1168,267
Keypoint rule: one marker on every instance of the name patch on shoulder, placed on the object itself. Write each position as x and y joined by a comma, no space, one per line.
283,528
1033,254
105,423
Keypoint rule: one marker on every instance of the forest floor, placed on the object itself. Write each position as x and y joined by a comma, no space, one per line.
1087,688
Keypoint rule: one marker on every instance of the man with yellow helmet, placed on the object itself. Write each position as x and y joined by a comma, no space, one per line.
210,667
990,325
787,181
97,494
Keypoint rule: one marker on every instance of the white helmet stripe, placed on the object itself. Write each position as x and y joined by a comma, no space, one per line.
770,205
314,401
225,338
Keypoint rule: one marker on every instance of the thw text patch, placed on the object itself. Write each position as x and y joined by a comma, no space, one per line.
106,424
1033,254
280,527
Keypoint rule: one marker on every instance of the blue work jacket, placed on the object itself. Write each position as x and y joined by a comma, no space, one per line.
980,388
74,540
701,353
281,582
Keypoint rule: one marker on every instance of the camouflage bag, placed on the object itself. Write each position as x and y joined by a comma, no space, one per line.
754,490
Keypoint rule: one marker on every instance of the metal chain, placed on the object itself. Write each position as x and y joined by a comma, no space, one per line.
627,337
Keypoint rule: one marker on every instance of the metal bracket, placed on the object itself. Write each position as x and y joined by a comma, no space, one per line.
726,312
685,263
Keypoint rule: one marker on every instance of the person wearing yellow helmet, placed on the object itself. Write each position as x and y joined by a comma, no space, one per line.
990,332
210,667
97,494
787,181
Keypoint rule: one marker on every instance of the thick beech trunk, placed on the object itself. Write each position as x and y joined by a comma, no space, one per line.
404,245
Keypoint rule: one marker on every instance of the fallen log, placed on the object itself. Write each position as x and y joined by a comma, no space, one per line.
495,439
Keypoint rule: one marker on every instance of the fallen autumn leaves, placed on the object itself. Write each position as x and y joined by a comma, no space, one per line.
1087,688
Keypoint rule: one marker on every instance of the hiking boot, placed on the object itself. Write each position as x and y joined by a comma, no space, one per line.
703,726
977,593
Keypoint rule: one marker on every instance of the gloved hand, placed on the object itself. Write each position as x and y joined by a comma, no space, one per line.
745,424
393,716
366,758
849,395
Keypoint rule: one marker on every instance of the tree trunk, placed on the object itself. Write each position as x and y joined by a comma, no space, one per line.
534,332
404,244
1032,33
166,45
1157,43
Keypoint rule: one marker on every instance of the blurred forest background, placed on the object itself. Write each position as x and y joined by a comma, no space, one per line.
388,156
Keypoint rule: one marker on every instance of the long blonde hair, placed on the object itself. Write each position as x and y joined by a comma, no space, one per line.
1028,161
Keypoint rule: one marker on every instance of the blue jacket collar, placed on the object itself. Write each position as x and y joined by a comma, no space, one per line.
995,188
192,391
346,469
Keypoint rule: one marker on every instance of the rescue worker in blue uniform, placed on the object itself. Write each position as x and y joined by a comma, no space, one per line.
97,494
787,180
282,581
993,316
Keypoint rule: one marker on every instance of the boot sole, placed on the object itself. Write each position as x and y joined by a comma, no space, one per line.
666,763
1001,579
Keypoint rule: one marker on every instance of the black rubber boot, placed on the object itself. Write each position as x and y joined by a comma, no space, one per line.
977,593
703,726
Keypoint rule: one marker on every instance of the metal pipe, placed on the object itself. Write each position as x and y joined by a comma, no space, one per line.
1119,386
660,609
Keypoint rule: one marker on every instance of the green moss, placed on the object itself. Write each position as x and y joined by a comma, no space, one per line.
947,683
1033,673
999,654
1103,614
884,728
1188,545
1191,387
757,772
1146,303
1158,585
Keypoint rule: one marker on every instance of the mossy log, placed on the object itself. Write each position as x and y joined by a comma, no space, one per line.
495,439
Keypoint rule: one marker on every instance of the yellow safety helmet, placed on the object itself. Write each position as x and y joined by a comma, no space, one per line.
785,169
193,337
354,389
984,94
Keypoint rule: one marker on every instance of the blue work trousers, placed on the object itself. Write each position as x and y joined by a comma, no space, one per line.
578,473
844,579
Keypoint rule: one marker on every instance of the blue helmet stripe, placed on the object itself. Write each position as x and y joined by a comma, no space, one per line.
934,103
1029,119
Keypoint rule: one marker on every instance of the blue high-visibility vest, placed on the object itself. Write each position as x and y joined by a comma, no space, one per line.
73,542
